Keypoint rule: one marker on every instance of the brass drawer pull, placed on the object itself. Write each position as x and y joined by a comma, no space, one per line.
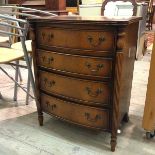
49,83
88,117
98,67
47,60
100,40
94,94
50,37
43,35
50,106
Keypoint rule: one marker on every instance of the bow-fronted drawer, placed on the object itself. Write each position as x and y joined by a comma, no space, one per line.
76,64
85,91
77,39
78,114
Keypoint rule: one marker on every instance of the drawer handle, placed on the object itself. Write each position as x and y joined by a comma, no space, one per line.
94,94
50,106
49,83
50,37
43,35
48,61
98,67
100,40
88,117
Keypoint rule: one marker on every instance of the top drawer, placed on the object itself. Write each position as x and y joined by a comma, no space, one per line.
77,39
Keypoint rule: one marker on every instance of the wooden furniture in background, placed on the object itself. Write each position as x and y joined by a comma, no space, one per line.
84,68
40,4
35,4
13,1
149,110
55,4
59,6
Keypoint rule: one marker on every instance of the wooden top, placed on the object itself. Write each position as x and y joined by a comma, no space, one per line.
92,19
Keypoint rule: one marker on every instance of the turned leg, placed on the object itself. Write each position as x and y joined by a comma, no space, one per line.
40,118
113,142
126,117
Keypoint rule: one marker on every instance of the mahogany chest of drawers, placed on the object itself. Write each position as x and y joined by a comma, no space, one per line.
83,69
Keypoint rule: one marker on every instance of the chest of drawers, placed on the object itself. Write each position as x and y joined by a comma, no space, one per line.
83,69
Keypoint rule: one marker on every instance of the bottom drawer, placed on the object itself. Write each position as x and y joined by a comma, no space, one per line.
79,114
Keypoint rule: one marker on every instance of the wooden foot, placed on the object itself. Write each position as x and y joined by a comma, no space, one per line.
126,118
1,96
113,144
40,118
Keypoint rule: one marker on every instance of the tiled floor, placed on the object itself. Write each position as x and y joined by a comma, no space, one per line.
20,133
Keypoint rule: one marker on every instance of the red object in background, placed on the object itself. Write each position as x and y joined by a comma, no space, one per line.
55,4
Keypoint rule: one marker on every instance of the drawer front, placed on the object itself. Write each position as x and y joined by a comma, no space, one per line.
69,38
79,114
75,64
85,90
